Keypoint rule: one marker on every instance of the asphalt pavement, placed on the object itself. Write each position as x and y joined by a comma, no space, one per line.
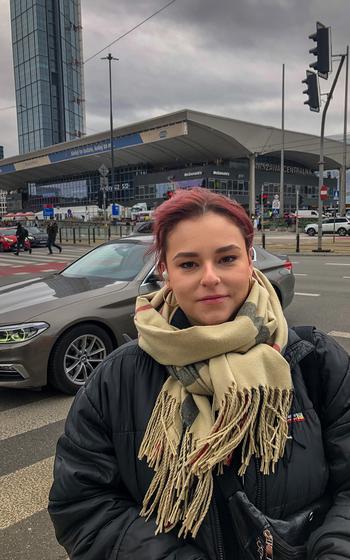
31,421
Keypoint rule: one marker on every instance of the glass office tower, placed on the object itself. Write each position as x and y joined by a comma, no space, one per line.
48,67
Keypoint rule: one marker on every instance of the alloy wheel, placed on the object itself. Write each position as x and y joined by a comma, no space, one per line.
82,356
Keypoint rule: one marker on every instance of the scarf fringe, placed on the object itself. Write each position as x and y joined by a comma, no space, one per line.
182,487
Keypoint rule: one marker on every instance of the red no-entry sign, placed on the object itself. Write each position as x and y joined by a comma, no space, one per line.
324,192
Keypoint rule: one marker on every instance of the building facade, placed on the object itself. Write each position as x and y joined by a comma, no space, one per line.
48,70
3,203
179,150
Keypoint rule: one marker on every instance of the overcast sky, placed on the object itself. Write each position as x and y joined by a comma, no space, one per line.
218,56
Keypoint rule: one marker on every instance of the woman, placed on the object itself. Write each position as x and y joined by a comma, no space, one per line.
212,390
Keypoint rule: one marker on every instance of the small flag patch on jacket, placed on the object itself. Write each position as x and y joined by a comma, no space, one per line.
297,417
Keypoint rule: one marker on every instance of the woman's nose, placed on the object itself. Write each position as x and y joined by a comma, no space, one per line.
209,276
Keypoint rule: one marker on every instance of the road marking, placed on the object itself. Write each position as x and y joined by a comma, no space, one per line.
299,274
33,416
346,277
25,492
339,334
294,262
338,264
305,294
49,270
21,273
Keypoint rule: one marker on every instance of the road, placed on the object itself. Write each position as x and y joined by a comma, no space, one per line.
31,421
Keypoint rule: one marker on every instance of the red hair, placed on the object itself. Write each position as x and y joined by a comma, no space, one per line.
193,203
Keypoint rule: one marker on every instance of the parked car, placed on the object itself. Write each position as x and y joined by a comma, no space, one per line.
340,226
37,237
58,329
8,240
144,228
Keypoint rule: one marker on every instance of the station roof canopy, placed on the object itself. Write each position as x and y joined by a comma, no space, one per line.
178,138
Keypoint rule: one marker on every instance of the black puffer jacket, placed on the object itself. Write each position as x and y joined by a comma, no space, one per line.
99,482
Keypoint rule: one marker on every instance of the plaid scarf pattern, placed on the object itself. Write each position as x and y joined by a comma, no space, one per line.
229,387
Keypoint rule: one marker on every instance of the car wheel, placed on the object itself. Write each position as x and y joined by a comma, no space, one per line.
341,231
76,355
311,231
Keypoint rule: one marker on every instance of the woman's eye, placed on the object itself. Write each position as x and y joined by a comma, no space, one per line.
229,259
187,265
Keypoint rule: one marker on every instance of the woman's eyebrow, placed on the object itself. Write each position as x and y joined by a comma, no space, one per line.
191,254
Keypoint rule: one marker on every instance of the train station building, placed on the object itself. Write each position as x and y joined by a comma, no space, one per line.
178,150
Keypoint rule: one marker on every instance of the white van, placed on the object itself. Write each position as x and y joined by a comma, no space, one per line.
305,214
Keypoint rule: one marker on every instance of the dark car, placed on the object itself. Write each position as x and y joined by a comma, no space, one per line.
37,237
59,329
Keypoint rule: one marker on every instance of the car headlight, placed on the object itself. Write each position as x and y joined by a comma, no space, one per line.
12,334
9,240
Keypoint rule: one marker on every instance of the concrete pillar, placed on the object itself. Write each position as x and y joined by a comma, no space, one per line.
342,190
251,184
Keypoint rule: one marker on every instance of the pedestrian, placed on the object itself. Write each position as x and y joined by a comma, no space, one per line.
258,223
22,236
52,230
219,432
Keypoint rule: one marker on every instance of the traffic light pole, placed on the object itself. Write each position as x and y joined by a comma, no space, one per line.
321,162
342,189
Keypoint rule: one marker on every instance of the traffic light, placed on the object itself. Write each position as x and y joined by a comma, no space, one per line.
313,91
323,50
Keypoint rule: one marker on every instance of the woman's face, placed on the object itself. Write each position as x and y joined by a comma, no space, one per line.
208,267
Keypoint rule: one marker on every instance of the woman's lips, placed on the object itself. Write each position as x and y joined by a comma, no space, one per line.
213,299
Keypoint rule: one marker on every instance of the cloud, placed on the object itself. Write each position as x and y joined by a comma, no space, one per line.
223,57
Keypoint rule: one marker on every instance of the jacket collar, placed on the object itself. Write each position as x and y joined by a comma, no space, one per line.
296,348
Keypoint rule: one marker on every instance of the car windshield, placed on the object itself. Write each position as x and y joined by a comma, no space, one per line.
11,231
117,261
34,229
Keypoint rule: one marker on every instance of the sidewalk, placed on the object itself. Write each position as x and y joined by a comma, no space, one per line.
284,242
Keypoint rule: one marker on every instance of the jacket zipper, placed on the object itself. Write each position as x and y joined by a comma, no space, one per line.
259,484
218,532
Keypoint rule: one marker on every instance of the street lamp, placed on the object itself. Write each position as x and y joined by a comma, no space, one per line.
110,58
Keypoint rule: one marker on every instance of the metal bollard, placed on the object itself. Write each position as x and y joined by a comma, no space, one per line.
79,234
109,233
93,235
66,234
263,240
120,231
89,235
60,234
298,243
74,240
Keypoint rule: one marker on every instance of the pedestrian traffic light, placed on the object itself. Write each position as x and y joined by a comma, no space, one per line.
323,50
313,91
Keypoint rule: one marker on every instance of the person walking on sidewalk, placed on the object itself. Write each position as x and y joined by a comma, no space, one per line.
52,229
21,235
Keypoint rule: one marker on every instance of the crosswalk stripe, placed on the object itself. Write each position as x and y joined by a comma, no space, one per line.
32,416
25,492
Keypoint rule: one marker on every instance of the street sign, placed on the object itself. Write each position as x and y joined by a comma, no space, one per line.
276,204
336,195
103,170
324,192
115,210
104,183
48,212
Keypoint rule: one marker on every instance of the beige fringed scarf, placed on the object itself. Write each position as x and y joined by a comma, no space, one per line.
237,363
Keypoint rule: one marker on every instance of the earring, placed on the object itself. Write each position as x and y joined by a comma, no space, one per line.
165,275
